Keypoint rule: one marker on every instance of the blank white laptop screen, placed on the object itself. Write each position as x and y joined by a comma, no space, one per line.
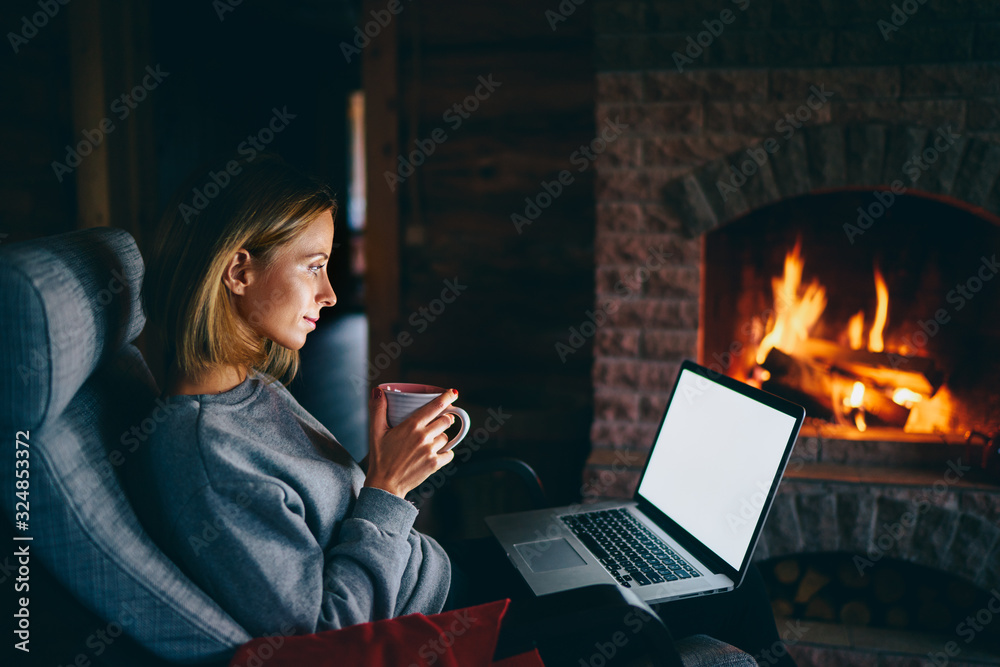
713,463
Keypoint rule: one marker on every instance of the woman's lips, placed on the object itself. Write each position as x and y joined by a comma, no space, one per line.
311,321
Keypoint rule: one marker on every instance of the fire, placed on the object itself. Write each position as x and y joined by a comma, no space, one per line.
795,315
875,343
905,397
854,330
857,400
859,385
934,415
857,395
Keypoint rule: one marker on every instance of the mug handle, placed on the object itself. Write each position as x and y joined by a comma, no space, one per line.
464,416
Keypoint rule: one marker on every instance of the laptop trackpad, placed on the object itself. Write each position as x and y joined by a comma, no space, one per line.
548,555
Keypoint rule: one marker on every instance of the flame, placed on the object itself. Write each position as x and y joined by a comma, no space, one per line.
875,342
859,421
937,414
794,315
854,330
798,308
906,397
856,401
857,395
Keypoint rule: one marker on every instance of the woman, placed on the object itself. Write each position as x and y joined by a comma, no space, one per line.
248,493
242,487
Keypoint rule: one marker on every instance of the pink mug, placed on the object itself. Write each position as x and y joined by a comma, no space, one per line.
405,398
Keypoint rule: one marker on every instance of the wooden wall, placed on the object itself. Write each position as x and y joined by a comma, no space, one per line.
36,124
519,291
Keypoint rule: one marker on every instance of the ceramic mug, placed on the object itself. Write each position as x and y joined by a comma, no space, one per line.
405,398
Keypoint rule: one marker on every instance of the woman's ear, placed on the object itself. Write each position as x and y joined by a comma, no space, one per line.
239,273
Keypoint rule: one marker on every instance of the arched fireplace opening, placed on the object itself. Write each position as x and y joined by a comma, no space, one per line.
878,310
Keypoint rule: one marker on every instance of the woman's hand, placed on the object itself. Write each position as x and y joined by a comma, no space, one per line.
402,457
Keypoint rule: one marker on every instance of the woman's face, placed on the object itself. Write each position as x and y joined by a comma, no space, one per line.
283,303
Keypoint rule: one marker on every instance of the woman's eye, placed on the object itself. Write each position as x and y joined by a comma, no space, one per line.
315,269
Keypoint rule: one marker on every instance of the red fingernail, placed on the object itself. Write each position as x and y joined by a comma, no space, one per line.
376,393
454,391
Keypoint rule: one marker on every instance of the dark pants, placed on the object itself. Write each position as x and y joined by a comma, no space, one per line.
743,617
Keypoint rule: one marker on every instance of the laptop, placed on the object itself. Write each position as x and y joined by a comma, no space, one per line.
697,512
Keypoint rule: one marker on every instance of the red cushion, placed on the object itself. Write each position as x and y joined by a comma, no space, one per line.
459,638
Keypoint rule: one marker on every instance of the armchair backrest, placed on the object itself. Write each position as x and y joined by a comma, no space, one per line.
72,387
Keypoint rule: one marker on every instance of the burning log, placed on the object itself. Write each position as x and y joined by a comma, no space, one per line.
827,372
885,410
801,381
883,369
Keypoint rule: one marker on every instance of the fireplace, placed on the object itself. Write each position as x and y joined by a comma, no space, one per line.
791,120
873,479
872,308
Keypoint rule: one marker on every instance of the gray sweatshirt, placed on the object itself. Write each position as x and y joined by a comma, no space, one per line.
260,506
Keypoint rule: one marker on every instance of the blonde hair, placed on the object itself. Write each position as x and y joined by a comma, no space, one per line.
262,207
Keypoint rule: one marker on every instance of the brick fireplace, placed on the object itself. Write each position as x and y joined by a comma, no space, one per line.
811,99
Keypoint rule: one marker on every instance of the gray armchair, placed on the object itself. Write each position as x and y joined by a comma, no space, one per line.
72,381
76,391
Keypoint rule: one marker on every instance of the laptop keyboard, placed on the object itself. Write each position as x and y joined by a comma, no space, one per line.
627,549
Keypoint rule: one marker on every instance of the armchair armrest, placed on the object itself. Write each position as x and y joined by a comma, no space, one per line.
705,651
483,462
469,463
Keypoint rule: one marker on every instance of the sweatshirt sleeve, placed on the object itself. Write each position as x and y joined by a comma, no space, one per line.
255,533
417,594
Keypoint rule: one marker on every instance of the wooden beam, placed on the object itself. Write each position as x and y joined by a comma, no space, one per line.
109,56
86,45
379,75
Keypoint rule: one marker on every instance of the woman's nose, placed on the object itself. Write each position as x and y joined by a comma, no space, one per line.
328,296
